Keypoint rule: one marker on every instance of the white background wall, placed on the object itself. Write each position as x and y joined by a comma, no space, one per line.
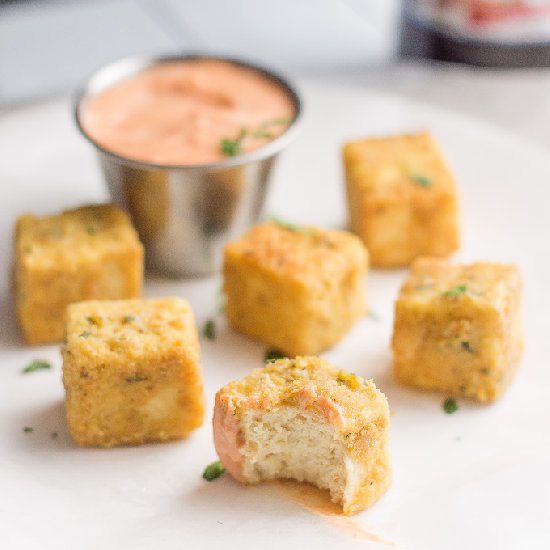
48,47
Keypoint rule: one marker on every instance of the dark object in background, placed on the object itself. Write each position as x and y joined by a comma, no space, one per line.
488,33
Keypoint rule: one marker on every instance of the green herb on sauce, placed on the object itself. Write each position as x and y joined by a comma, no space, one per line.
450,406
209,329
28,430
90,230
419,179
96,321
262,134
213,471
128,319
37,364
27,249
54,435
231,147
295,228
456,291
84,334
272,355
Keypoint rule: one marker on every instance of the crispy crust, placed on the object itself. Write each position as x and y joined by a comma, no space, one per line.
299,291
131,372
355,407
458,329
81,254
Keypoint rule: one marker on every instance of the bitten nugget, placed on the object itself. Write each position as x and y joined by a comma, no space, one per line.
402,198
458,328
131,371
303,419
299,289
90,252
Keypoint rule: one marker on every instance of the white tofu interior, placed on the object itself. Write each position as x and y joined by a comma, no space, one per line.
290,443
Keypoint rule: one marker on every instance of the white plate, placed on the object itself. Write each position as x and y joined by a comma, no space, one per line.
478,479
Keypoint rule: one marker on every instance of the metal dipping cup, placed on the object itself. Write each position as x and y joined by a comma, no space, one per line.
186,214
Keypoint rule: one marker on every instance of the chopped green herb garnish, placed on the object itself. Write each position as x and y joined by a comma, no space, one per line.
94,321
128,319
37,364
450,406
209,329
90,230
222,299
28,429
262,134
213,471
372,315
27,249
456,291
136,378
295,228
231,147
54,435
84,334
272,355
419,179
466,346
277,122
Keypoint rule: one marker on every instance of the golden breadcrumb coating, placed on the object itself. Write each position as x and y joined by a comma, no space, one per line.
131,371
458,328
85,253
297,289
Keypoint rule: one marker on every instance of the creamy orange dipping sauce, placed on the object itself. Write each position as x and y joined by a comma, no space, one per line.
188,112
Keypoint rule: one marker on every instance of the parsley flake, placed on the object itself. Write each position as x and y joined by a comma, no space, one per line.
209,329
136,378
213,471
96,321
231,147
295,228
456,291
466,346
28,430
222,300
37,364
450,406
273,354
128,319
91,230
84,334
419,179
372,315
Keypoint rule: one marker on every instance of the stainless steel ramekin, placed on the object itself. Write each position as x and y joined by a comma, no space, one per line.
186,214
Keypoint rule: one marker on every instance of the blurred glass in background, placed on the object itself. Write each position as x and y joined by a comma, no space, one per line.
493,33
